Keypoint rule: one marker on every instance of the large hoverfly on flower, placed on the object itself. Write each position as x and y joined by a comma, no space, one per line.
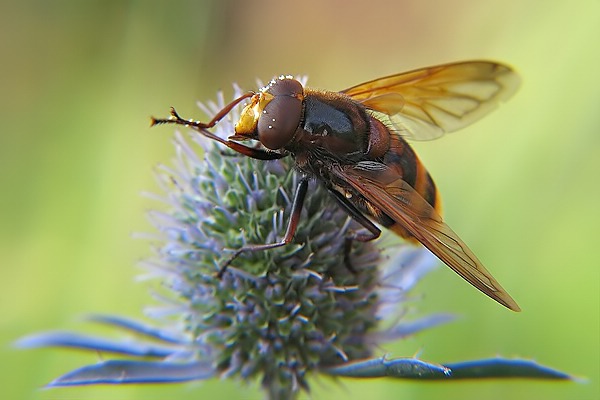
354,143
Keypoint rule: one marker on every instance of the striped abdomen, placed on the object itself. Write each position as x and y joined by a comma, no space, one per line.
402,159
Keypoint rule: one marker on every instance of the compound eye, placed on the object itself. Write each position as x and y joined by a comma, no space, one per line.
286,87
279,120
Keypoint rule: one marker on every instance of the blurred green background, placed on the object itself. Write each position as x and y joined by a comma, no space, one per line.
80,79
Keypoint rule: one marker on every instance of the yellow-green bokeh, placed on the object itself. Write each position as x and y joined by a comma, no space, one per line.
80,79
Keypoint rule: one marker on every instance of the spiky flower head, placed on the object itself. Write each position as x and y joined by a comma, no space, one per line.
280,313
276,315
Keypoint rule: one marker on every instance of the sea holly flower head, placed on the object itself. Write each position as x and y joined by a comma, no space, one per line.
277,315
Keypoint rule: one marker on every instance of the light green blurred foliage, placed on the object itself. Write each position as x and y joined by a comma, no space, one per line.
79,80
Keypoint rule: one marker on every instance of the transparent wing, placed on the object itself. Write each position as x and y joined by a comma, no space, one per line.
405,206
426,103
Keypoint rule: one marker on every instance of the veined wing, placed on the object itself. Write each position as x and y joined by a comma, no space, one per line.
405,206
426,103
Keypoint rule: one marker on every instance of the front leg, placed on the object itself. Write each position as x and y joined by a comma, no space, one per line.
201,127
292,225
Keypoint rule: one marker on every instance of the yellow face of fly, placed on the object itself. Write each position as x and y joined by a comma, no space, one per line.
246,126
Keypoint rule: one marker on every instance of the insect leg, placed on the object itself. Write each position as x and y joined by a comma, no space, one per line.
359,217
218,116
201,127
297,204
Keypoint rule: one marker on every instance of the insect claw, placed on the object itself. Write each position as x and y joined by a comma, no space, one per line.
228,262
174,113
158,121
222,270
173,118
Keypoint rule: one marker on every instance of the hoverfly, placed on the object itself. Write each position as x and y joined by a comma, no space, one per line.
353,142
